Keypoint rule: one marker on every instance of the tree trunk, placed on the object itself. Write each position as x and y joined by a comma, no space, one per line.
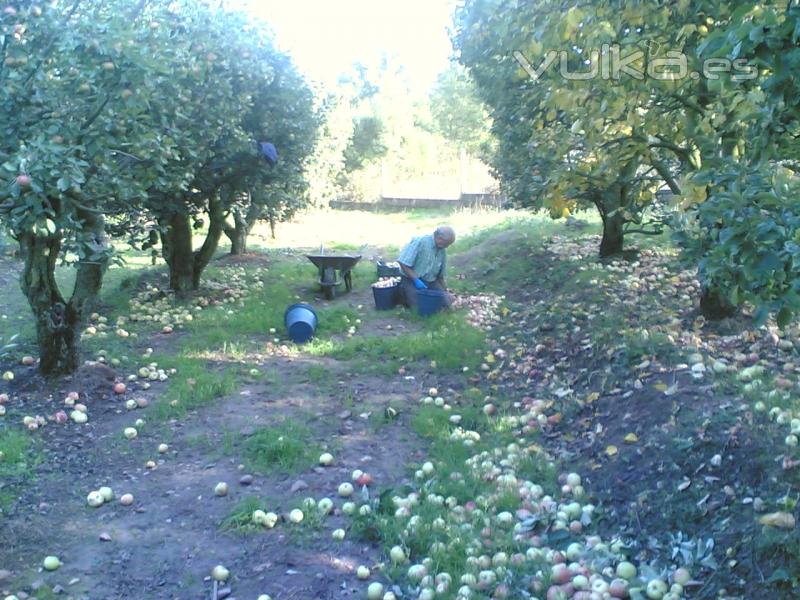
613,235
176,248
238,237
715,305
206,252
56,326
242,226
58,322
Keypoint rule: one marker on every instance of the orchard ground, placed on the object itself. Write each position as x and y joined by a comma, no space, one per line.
677,427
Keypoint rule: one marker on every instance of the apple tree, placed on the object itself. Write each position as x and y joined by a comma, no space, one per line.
743,226
566,135
283,113
74,108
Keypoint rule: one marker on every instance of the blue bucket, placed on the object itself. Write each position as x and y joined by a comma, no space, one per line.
385,297
430,302
301,322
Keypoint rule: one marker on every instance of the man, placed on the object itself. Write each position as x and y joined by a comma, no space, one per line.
423,262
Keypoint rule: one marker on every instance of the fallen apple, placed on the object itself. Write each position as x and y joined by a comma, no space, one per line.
681,576
221,489
326,459
345,489
656,589
325,506
106,493
130,432
95,499
51,563
397,554
296,516
126,499
8,376
270,520
28,360
626,570
220,573
78,416
362,572
375,591
338,534
119,388
163,448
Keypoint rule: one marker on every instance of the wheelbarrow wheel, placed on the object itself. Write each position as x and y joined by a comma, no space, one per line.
329,283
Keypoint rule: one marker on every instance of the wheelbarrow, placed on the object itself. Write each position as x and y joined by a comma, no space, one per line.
333,271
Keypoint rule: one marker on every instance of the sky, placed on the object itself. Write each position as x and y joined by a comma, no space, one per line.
325,37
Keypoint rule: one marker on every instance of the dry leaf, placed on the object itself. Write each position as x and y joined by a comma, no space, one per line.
684,484
661,387
783,520
611,450
631,438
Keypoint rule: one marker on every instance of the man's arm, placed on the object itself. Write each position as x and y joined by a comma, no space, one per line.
442,269
409,272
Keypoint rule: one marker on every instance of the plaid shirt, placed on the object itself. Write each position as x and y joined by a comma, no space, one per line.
422,255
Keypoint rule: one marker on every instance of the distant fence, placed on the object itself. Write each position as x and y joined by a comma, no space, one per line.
386,203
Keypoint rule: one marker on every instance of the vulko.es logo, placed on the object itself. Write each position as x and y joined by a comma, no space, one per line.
609,63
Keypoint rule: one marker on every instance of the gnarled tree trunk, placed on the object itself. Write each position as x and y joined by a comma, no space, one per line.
184,264
242,226
176,248
58,322
204,255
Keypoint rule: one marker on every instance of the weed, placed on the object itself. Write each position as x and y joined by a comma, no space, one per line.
447,339
283,447
17,461
194,385
240,519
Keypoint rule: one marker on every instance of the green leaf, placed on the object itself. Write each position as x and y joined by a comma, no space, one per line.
779,576
784,317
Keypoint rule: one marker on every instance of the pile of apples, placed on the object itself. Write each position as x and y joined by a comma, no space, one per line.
483,310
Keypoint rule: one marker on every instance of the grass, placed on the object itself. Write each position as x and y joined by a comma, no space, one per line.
240,518
284,447
16,464
193,386
447,339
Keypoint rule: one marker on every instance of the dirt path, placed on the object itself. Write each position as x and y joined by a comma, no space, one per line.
165,544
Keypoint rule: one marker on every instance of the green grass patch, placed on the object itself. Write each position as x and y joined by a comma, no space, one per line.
16,465
285,447
240,518
15,449
447,339
195,384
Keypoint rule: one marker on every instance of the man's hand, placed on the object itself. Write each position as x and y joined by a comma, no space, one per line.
419,284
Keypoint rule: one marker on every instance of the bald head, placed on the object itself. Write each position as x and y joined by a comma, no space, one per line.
444,236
